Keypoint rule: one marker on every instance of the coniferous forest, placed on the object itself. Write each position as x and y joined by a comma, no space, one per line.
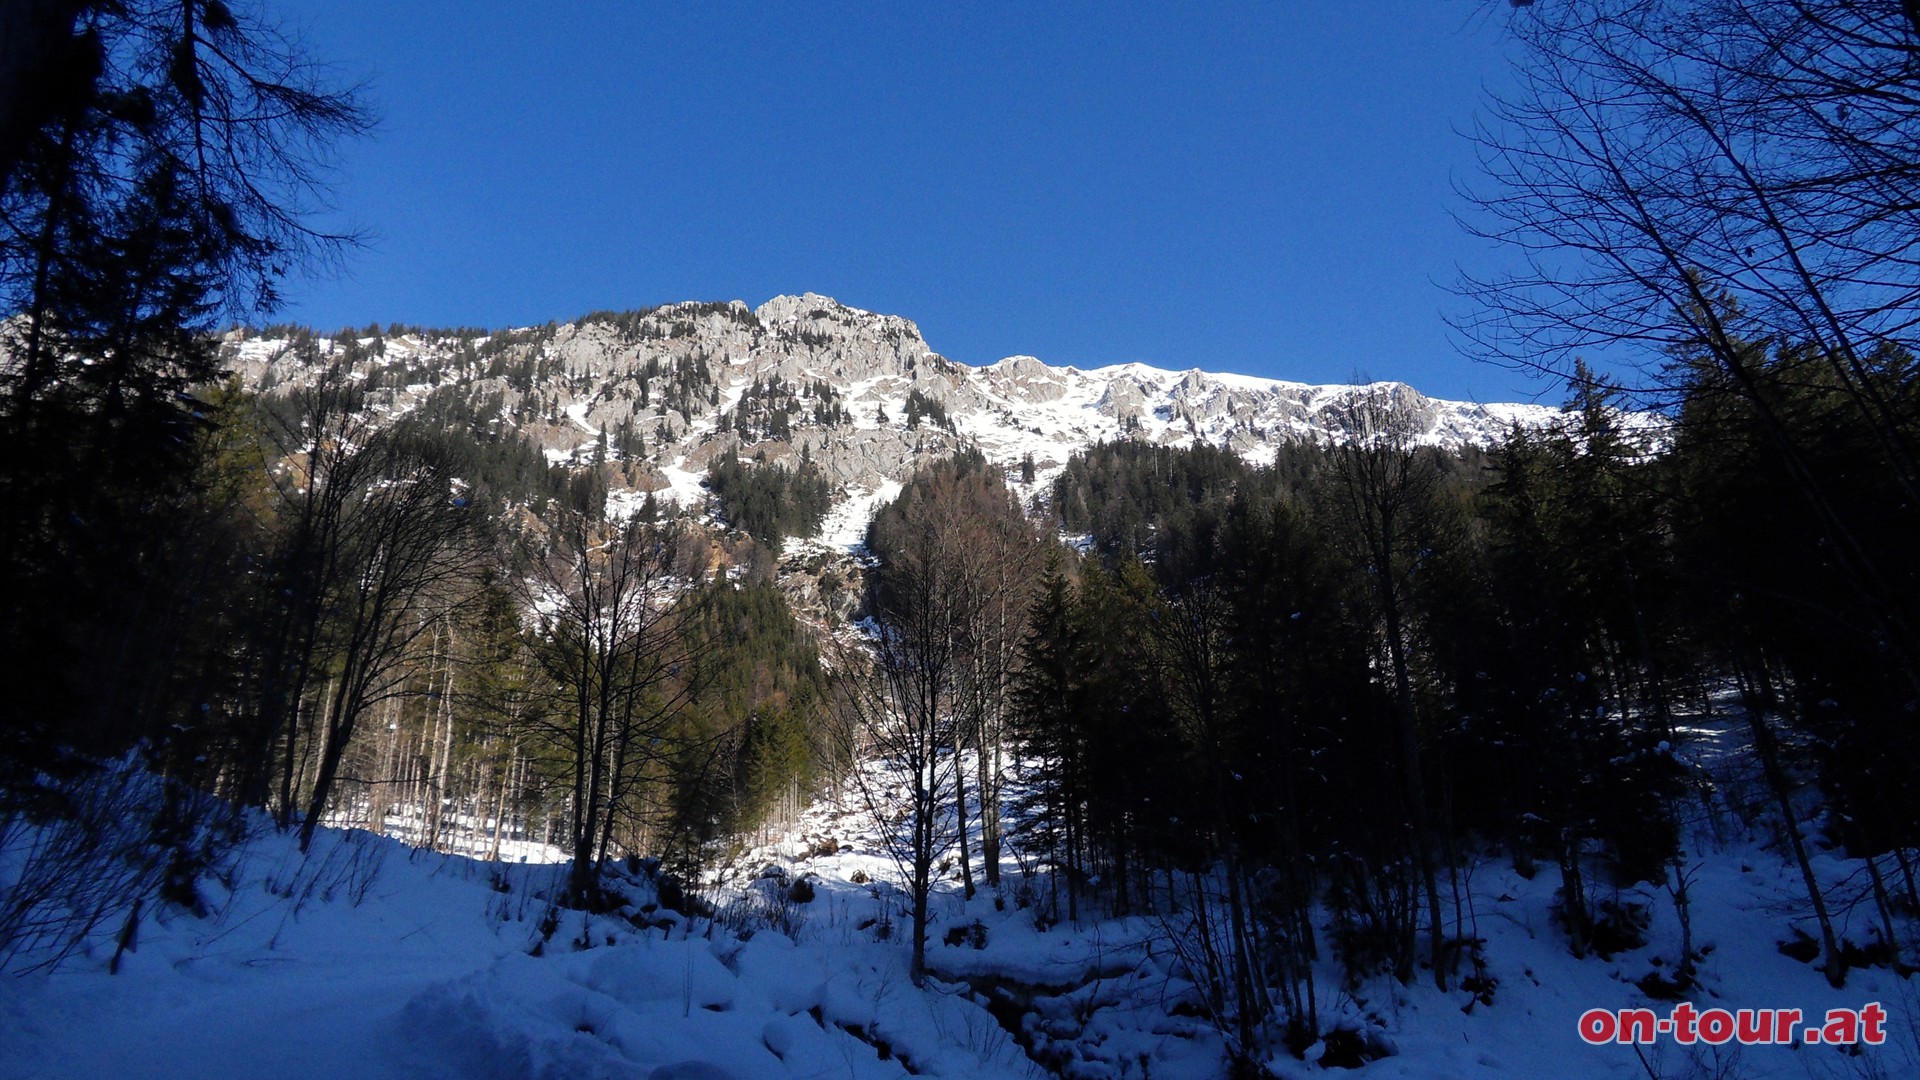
1285,709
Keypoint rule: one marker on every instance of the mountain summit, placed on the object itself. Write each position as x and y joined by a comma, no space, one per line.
664,392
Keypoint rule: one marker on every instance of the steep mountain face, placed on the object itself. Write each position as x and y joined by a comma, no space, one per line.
660,394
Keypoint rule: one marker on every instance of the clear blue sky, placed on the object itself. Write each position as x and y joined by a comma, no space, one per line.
1262,188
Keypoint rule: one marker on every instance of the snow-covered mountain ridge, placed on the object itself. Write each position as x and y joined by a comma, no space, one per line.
664,391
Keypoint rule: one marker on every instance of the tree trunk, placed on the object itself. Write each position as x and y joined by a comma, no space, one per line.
380,792
960,807
1415,783
332,750
500,811
445,763
1768,749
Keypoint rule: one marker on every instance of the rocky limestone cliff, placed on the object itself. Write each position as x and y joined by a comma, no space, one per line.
666,390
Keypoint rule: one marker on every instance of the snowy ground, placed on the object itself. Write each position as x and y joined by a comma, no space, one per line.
845,527
369,959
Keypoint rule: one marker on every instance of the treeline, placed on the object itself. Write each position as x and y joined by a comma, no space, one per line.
669,320
514,376
1266,696
1334,694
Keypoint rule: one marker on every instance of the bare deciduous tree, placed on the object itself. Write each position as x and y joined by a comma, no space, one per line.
609,641
956,527
1717,182
903,706
408,539
1004,560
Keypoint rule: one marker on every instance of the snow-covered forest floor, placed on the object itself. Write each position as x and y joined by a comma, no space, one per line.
368,958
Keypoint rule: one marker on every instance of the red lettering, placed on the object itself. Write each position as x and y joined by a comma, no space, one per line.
1683,1020
1873,1021
1716,1026
1842,1027
1752,1027
1597,1026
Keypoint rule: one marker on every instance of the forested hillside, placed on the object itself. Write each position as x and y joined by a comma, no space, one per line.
852,706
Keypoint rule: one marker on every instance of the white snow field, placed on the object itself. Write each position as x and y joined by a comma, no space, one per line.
370,959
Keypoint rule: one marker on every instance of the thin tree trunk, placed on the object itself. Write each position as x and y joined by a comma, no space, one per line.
1885,905
1906,872
1415,783
442,770
419,774
960,807
1768,749
500,812
380,793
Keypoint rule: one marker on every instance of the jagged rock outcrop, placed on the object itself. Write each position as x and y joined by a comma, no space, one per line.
664,391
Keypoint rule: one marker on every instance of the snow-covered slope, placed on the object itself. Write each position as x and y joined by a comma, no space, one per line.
369,959
669,389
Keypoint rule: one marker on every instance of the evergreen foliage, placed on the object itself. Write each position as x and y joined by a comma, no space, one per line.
758,701
771,409
920,405
770,502
1318,687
